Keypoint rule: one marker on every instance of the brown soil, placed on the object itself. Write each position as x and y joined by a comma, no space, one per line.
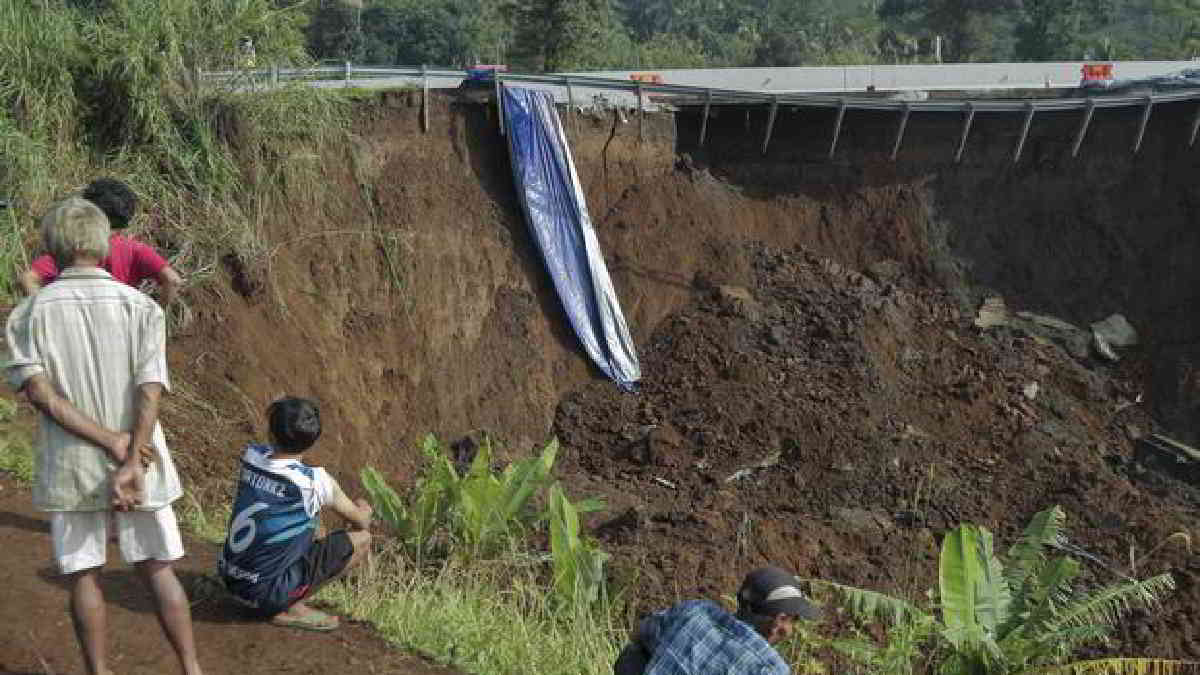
838,424
36,636
414,302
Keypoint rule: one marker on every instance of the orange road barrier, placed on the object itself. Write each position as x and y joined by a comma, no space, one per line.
1097,71
648,78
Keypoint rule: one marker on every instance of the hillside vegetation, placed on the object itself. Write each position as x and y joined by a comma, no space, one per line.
558,35
109,88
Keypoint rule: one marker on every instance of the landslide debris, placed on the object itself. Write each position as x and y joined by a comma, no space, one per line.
838,423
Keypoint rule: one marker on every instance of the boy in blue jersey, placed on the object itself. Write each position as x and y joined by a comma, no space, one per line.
272,560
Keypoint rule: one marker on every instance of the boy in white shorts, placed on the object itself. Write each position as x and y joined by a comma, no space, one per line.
89,352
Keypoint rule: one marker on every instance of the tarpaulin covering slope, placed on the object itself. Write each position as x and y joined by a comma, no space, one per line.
557,213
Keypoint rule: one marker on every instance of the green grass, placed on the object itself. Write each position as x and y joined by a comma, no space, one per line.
111,91
206,521
16,443
493,618
16,458
499,618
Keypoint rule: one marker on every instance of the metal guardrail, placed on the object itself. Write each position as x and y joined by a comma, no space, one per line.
701,95
896,77
683,95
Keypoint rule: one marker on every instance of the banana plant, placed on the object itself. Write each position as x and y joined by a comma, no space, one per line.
415,522
578,565
473,513
992,618
491,507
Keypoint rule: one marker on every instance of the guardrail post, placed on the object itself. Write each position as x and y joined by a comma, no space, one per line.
1083,127
708,105
1137,144
770,123
347,74
966,132
570,102
499,101
1030,110
274,75
1195,125
837,127
424,99
641,114
905,111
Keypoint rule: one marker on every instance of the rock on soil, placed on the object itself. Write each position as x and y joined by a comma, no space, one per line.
1116,331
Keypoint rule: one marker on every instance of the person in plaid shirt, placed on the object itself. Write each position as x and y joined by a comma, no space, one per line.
697,637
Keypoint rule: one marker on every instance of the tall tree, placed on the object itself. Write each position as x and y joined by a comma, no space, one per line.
1173,29
970,30
334,32
417,33
817,32
726,31
561,35
1062,29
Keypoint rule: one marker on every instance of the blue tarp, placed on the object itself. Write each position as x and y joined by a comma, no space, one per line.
558,218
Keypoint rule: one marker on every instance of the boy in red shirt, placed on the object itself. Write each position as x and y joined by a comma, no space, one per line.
129,261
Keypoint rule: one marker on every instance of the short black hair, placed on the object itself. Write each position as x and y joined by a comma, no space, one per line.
295,423
114,198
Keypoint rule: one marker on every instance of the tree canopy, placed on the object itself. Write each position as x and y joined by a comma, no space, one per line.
558,35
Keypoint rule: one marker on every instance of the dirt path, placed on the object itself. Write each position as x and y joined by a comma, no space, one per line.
36,636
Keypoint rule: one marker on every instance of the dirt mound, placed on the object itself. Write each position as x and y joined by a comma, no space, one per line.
839,423
415,301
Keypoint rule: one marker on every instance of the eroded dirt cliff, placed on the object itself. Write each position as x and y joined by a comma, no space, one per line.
815,391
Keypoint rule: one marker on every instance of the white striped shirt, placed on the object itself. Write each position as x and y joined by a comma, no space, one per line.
96,340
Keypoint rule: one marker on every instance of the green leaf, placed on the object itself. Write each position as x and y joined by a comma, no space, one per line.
872,605
1047,593
527,478
387,504
1105,607
1026,556
992,595
958,576
430,447
481,464
563,540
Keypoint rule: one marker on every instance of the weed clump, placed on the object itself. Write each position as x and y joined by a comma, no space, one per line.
113,88
475,513
461,570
